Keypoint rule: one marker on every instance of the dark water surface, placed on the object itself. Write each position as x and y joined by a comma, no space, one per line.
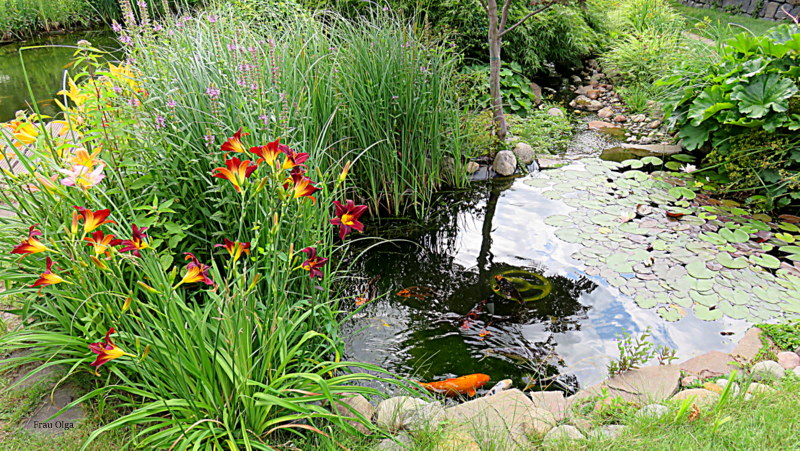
469,237
45,68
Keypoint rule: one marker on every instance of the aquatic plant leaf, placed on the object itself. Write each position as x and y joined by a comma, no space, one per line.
787,238
734,236
766,260
633,164
682,192
698,270
726,260
734,311
570,235
764,92
539,182
671,313
559,221
708,299
789,227
655,161
705,313
790,249
712,237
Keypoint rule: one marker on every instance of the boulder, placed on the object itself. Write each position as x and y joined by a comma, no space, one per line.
537,94
768,369
503,420
552,401
724,383
426,418
628,151
599,125
456,441
505,163
393,413
471,167
788,360
710,364
355,407
797,371
605,113
400,442
555,112
524,153
608,431
749,345
704,399
759,389
584,103
653,411
563,433
582,90
641,386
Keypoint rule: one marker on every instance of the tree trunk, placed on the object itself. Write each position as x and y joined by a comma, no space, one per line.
495,45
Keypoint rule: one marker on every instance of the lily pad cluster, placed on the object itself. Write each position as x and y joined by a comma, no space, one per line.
666,246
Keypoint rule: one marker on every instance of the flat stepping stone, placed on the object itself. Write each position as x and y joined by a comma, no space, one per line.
710,364
704,399
640,386
552,401
40,423
749,345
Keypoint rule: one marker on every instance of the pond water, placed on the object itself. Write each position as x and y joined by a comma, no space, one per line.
451,321
45,69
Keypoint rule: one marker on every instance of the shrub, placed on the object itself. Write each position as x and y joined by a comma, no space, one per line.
546,134
786,336
518,95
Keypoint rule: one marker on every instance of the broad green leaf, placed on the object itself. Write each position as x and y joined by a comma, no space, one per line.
763,93
712,100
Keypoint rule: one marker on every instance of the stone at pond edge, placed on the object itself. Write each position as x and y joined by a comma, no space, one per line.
629,151
640,386
757,389
599,125
710,364
605,113
39,422
653,411
504,419
552,401
704,399
788,360
471,167
562,433
400,442
524,153
768,369
456,441
608,431
361,406
393,413
749,345
505,163
584,103
426,418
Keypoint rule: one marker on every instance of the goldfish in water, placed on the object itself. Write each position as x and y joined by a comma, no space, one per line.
464,385
506,288
370,293
415,292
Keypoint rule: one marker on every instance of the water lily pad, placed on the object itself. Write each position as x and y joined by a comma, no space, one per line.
726,260
559,221
741,297
769,294
708,299
734,236
766,260
633,164
539,182
646,301
789,227
655,161
671,313
734,311
570,235
552,195
787,238
682,192
698,270
620,263
712,237
707,314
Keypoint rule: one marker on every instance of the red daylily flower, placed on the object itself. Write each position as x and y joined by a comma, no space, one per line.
313,263
236,172
302,186
293,159
235,248
270,152
47,277
93,219
106,351
195,272
136,243
100,241
30,245
234,143
347,217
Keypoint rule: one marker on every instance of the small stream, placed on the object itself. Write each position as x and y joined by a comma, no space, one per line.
44,67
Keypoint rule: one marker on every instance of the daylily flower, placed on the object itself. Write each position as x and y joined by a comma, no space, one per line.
136,243
293,159
236,172
100,241
82,176
235,248
195,272
93,219
234,143
302,186
30,245
82,157
313,263
25,133
47,277
347,217
268,153
106,351
75,94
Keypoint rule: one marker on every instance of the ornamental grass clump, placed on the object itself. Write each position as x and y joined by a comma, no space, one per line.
195,280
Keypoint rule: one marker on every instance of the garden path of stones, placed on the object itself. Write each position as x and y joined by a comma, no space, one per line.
711,258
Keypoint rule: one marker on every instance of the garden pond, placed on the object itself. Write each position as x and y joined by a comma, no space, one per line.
592,252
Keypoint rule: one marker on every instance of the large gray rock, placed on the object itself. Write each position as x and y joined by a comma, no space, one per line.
653,411
39,422
642,386
788,360
456,441
524,153
552,401
768,369
749,345
503,421
702,398
393,413
563,433
710,364
355,407
425,418
400,442
584,103
505,163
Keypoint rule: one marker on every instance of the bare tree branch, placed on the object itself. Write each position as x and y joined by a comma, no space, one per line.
504,16
528,16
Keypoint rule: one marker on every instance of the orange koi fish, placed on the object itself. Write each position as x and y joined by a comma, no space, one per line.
369,293
415,292
464,385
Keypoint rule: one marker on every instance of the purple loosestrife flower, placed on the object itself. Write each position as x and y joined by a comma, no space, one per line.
172,103
125,39
264,118
157,27
209,140
134,102
116,27
161,122
213,92
212,18
117,89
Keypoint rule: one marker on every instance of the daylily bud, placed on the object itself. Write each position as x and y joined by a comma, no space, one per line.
261,184
100,264
147,287
127,304
275,219
346,169
254,282
145,353
74,227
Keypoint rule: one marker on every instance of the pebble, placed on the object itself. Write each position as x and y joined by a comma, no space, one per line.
620,118
564,432
788,360
655,411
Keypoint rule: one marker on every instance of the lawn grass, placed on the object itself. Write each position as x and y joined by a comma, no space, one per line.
720,25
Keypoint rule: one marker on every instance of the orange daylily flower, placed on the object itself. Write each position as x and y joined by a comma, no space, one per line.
47,277
136,243
302,186
82,157
30,245
106,351
93,219
236,171
235,248
268,153
195,272
100,241
234,143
